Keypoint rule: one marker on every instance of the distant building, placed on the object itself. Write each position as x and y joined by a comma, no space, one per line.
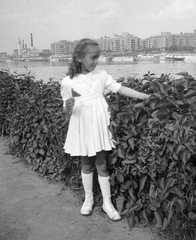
15,53
167,34
195,38
158,41
33,52
25,52
107,44
142,44
19,48
119,43
62,47
169,40
45,53
3,56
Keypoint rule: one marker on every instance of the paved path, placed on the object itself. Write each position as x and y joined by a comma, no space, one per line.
33,209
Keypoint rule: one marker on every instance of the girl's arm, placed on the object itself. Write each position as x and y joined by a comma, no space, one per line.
69,106
128,92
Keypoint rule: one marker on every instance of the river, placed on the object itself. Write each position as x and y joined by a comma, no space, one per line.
57,70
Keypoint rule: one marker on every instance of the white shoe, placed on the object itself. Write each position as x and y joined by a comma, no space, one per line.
111,211
107,204
87,207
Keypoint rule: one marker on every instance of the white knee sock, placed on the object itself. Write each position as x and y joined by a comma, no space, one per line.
105,188
107,204
87,180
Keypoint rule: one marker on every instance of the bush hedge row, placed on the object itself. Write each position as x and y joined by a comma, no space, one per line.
31,113
153,167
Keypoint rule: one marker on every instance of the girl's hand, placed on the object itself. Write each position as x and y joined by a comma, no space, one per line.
70,103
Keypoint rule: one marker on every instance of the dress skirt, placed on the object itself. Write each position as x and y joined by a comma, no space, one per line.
88,131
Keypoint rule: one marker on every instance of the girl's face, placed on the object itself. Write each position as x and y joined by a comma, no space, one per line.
90,60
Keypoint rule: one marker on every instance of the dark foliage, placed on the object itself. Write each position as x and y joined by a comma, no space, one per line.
153,167
31,113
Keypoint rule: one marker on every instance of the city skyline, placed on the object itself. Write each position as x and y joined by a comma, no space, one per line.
55,20
24,45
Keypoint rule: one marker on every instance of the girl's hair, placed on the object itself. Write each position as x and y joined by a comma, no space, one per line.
75,66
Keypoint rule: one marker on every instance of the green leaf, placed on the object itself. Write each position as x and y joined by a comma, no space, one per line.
131,143
169,182
126,184
172,100
152,190
190,93
144,215
120,203
153,205
165,223
176,116
158,219
114,157
121,153
177,191
23,140
119,174
161,182
131,193
139,105
41,151
181,204
182,73
135,207
127,161
170,146
192,216
162,114
162,88
183,154
130,222
142,182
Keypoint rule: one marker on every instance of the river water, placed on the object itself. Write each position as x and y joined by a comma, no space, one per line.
57,70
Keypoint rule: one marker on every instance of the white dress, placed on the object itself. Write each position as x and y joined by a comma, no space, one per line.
88,131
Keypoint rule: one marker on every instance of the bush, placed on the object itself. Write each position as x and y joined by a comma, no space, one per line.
153,167
31,113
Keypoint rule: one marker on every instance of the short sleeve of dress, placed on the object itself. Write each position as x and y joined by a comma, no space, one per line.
65,89
110,83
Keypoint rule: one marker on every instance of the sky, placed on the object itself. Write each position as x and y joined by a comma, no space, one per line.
55,20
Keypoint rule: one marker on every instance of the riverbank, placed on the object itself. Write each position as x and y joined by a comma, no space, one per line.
33,209
105,57
57,70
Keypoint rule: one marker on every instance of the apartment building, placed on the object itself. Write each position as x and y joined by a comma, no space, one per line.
3,56
119,43
143,44
62,47
167,40
106,44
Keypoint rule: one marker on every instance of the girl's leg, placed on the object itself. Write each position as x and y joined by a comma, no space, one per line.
103,178
88,164
102,163
87,180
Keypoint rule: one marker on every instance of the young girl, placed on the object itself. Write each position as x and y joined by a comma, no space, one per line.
88,135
